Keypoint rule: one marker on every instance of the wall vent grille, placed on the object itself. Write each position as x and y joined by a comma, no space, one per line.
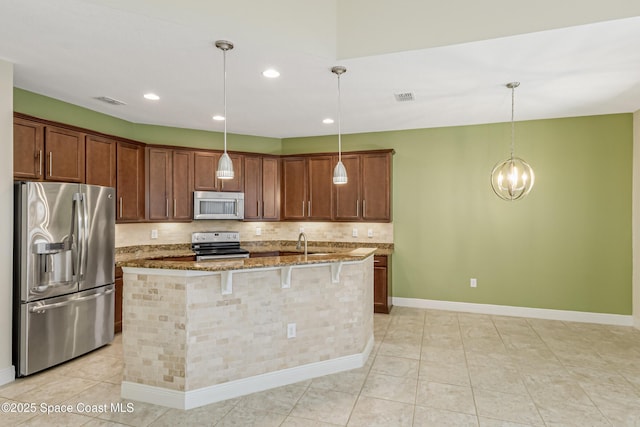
405,96
109,100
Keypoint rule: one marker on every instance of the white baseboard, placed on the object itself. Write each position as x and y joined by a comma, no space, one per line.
216,393
507,310
7,375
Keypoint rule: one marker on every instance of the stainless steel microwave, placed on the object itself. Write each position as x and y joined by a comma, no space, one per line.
218,205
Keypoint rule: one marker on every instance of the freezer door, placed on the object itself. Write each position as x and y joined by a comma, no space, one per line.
45,252
58,329
97,244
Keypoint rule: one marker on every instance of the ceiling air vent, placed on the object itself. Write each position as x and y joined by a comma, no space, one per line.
404,96
110,100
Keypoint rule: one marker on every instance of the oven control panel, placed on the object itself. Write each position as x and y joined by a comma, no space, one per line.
215,236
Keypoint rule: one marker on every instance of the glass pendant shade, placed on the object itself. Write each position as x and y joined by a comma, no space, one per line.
340,174
225,167
512,179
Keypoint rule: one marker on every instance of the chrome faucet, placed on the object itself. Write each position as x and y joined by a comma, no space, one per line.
298,246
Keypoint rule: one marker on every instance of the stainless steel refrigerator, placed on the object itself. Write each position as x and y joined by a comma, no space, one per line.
64,253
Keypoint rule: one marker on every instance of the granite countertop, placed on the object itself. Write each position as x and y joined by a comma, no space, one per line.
156,252
357,254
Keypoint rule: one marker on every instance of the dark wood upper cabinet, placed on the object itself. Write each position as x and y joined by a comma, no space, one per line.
347,198
320,181
169,184
261,188
182,185
130,182
64,156
28,149
367,194
47,152
306,187
100,161
294,188
365,197
270,188
376,187
158,183
205,165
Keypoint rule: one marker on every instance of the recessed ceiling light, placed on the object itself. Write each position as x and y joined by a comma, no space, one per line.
271,73
218,118
151,96
327,121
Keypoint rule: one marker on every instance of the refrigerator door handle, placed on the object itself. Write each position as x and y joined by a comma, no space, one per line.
39,309
79,236
85,237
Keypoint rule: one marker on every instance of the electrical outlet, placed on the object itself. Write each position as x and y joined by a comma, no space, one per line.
370,232
301,230
291,330
258,231
354,233
154,234
473,282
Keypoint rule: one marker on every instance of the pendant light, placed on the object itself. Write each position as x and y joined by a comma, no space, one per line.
512,179
225,165
339,173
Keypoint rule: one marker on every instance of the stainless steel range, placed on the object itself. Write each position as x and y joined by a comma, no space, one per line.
211,245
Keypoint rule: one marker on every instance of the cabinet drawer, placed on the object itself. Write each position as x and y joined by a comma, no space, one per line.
380,260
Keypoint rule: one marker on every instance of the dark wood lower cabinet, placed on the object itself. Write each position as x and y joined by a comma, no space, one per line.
117,317
381,284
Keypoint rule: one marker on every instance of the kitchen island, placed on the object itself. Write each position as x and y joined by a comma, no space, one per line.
199,332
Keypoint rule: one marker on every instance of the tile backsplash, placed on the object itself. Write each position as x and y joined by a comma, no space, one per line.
169,233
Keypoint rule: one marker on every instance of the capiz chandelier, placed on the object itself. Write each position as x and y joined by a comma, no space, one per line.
512,179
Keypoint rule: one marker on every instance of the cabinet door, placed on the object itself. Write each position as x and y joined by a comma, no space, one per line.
347,198
294,188
205,165
182,185
100,161
158,167
376,187
28,149
65,155
252,187
237,183
381,291
320,177
130,181
270,205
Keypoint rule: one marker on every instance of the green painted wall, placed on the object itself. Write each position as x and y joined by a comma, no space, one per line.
566,246
52,109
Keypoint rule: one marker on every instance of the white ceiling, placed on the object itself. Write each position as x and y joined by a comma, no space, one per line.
76,50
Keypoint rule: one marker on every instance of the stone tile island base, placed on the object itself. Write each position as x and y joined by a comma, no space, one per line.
191,338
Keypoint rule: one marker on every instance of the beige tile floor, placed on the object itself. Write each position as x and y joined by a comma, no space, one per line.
428,368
